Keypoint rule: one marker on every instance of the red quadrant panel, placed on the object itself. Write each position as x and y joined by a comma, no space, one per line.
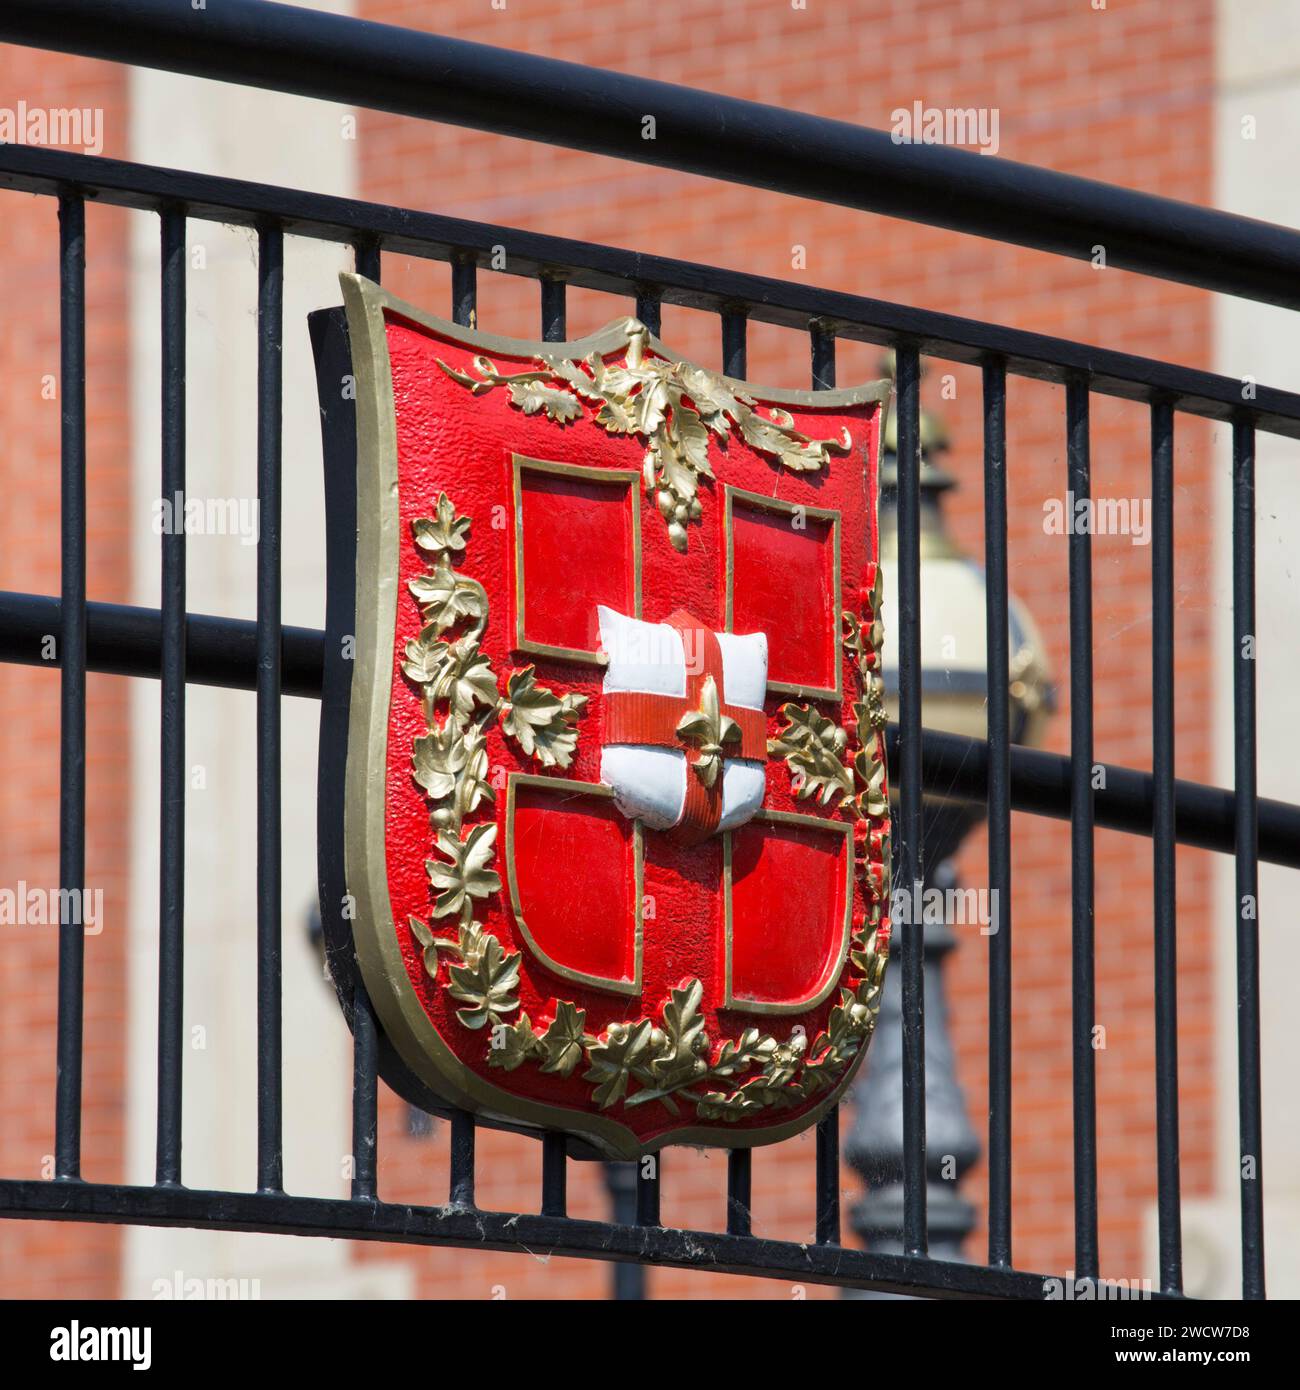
784,562
583,923
788,886
575,548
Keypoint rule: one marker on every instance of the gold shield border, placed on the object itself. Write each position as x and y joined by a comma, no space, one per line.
365,859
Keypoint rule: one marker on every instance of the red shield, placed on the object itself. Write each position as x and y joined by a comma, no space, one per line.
606,873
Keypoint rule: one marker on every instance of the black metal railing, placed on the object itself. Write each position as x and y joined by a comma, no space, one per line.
375,66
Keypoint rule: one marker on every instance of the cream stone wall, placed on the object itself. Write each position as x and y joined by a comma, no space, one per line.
262,136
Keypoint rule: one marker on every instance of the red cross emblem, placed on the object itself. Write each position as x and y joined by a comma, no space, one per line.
606,822
700,724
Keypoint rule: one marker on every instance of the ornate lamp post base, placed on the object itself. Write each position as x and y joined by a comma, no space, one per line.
875,1143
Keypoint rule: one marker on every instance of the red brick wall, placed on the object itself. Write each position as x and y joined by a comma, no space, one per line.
47,1259
1121,95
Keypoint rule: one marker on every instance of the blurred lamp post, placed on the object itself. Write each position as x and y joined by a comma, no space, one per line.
954,684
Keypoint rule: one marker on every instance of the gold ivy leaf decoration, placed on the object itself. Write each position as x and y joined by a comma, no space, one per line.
612,1060
542,723
454,671
487,983
438,759
813,747
513,1044
443,532
431,945
863,640
673,406
564,1041
558,1048
446,597
464,875
450,762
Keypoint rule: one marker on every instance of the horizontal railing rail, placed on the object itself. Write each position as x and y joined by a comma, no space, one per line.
587,265
380,67
124,640
474,1229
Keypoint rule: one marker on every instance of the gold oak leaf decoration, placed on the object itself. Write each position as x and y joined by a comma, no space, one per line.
813,747
557,404
862,641
673,407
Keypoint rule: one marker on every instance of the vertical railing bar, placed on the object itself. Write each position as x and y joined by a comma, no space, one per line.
1247,852
554,297
648,1175
365,1094
999,807
649,308
822,344
907,382
366,258
735,342
365,1037
740,1187
270,1103
1082,867
464,311
1163,839
554,309
171,857
554,1174
464,291
72,680
828,1178
555,314
740,1183
461,1189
